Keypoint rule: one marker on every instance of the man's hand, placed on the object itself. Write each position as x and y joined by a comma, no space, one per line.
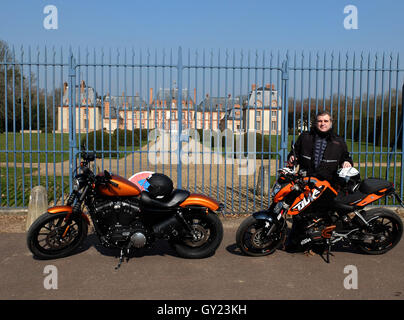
346,164
291,161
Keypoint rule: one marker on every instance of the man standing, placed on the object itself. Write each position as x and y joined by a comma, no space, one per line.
320,151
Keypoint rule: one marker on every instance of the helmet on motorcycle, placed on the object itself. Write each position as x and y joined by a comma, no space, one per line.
349,179
160,186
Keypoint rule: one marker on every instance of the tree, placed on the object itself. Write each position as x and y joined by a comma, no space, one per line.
20,97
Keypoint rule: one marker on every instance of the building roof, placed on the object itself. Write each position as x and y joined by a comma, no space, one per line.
122,103
87,95
219,103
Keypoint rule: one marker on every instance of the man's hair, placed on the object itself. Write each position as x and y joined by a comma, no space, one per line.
324,113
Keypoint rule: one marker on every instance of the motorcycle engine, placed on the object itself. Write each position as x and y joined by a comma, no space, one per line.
120,224
313,232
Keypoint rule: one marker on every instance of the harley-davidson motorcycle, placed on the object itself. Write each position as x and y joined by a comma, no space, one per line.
323,216
126,218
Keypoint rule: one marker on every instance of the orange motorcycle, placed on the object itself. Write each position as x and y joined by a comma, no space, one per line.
126,218
323,216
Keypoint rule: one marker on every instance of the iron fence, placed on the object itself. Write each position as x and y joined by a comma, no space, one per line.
216,122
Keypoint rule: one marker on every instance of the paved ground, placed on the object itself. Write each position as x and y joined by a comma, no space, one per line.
160,274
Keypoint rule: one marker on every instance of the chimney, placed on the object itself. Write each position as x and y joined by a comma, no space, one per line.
65,86
106,109
82,86
273,87
151,96
267,86
253,86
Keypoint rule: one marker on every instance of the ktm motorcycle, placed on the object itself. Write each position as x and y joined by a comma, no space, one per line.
126,218
322,217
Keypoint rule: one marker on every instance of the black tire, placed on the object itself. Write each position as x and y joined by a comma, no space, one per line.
251,240
44,238
386,230
209,229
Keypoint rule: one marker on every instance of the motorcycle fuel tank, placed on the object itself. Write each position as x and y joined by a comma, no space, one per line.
124,188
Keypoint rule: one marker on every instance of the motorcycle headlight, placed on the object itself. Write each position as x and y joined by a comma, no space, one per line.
275,189
79,182
76,184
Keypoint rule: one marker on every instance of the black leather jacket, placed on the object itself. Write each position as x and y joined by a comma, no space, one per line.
335,154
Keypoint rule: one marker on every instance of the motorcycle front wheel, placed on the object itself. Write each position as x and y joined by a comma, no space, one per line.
51,237
253,239
383,233
203,239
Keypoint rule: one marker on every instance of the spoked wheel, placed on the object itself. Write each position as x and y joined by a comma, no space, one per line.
253,239
51,237
384,231
203,238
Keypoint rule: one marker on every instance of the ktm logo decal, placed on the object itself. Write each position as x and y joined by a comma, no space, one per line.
306,201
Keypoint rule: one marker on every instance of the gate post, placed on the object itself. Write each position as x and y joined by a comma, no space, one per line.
285,108
179,108
402,142
72,120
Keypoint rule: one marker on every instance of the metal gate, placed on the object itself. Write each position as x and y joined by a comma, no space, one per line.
216,122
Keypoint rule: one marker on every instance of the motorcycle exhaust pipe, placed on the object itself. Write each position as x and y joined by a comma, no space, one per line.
166,226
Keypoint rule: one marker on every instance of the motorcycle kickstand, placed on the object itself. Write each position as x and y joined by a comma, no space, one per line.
120,260
328,252
122,256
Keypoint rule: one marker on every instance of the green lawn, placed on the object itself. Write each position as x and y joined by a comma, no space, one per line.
15,186
48,148
45,147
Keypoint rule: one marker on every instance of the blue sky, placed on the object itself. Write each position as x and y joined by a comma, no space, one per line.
227,24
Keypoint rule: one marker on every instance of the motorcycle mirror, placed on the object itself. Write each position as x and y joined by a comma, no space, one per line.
88,156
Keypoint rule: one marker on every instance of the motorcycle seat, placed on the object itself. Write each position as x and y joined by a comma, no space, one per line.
174,199
345,201
373,185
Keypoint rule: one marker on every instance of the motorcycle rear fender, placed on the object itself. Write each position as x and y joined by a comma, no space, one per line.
195,199
68,210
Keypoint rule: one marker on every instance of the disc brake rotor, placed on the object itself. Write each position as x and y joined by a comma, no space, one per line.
199,236
258,239
55,240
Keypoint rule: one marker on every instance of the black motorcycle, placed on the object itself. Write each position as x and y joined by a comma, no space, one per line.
126,218
322,216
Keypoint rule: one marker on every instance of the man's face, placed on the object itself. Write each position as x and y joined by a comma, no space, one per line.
323,123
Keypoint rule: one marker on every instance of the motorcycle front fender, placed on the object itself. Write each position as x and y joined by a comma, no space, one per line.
68,210
264,215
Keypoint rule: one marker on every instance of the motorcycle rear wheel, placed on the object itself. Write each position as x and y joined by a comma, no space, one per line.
46,238
253,241
205,238
384,232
